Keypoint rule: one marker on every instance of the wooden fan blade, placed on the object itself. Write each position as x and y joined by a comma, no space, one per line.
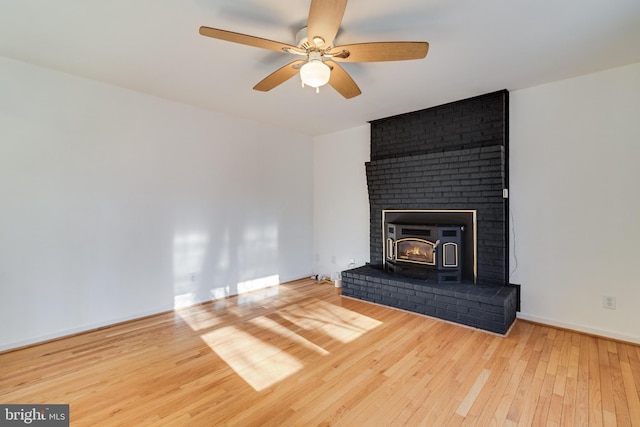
341,81
279,76
381,51
324,20
230,36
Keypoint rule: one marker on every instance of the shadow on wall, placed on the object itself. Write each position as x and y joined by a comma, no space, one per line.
205,270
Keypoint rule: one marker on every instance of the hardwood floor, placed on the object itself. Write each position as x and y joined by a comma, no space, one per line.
300,355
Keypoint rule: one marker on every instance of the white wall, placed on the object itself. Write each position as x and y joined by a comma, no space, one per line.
340,199
115,204
575,200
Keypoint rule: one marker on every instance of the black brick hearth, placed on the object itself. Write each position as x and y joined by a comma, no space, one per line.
448,158
492,308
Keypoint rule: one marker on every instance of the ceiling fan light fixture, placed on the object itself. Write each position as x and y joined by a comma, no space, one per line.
315,73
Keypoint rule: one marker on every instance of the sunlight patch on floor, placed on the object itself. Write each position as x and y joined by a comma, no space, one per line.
337,322
275,327
264,349
259,363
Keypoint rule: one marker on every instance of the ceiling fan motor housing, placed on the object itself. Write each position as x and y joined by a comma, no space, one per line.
302,40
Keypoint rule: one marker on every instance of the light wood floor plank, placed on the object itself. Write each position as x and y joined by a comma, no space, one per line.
608,402
632,394
532,358
596,414
620,399
504,368
300,354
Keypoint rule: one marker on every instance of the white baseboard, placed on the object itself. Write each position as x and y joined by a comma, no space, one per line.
87,328
580,328
74,331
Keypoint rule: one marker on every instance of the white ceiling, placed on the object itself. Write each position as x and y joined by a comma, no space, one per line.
153,46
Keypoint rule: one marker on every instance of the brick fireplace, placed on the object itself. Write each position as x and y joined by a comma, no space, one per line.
446,159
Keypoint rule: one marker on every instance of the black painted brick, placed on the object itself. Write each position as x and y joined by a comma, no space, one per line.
485,307
446,157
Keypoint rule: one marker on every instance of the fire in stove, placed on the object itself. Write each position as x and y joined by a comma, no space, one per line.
424,251
415,250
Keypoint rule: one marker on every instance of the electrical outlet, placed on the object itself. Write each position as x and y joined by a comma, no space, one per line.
609,302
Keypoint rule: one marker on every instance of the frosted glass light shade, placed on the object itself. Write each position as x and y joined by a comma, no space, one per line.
315,73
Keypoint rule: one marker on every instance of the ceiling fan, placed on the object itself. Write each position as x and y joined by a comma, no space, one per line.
318,62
